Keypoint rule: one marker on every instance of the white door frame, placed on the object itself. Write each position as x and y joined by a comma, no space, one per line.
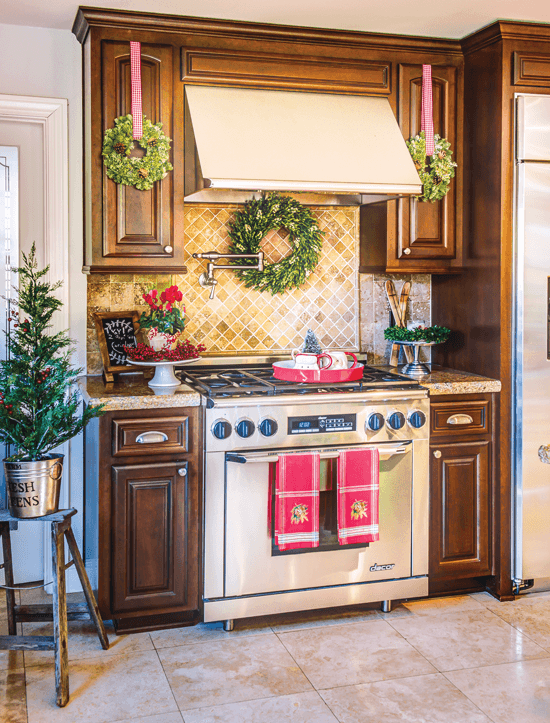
51,115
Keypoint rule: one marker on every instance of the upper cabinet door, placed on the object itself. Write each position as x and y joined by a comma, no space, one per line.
427,231
132,229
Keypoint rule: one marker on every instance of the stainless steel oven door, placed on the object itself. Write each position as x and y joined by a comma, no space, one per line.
253,567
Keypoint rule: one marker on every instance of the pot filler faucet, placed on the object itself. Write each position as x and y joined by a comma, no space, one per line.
207,279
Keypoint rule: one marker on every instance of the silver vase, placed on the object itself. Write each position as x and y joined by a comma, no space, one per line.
33,487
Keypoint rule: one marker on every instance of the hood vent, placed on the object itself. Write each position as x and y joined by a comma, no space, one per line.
241,141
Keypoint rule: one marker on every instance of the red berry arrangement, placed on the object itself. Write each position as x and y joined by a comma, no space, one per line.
184,350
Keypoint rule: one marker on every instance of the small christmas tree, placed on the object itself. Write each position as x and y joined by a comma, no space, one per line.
311,345
39,406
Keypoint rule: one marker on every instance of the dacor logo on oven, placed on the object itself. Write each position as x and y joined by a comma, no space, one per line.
377,568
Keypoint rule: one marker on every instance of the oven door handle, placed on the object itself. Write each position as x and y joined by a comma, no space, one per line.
384,452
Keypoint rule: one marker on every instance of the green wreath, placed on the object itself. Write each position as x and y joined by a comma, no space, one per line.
255,221
435,177
118,144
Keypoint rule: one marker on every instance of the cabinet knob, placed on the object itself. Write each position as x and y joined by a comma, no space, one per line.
168,249
182,471
437,454
406,251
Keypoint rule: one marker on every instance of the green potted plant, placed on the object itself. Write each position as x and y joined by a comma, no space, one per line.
165,319
39,405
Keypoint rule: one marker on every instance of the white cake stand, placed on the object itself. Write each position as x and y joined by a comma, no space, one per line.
165,380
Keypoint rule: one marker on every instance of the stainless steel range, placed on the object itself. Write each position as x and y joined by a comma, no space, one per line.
251,418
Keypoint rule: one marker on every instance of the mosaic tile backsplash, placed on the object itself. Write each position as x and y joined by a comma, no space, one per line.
345,309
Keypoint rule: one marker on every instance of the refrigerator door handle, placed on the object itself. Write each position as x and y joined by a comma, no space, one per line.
544,453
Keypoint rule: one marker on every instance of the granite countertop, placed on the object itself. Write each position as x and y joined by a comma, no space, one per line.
131,391
451,381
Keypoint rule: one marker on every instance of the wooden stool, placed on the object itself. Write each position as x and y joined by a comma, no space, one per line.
59,612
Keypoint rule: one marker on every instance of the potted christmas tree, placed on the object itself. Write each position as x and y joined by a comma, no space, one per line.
39,406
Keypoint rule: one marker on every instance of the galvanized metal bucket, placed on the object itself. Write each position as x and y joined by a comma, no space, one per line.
33,487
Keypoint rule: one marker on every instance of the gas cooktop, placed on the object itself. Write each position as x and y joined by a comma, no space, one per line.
258,380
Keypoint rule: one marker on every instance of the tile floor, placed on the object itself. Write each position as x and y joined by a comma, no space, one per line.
465,659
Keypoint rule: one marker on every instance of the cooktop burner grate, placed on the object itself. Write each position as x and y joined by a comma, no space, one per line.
258,380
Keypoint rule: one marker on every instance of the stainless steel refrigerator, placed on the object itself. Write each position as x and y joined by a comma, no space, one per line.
531,553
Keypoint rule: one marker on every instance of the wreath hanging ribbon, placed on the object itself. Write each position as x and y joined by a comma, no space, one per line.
118,142
274,212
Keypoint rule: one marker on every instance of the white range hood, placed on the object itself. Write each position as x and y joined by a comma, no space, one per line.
346,147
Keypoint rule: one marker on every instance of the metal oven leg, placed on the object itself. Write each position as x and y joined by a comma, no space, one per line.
386,606
228,625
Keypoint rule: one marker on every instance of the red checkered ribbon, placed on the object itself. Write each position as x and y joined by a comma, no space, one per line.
135,77
427,117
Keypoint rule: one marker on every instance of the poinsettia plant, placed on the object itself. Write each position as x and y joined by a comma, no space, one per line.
166,313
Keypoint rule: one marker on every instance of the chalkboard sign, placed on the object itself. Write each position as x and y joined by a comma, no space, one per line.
115,330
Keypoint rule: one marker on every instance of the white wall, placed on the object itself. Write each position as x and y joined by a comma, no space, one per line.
47,63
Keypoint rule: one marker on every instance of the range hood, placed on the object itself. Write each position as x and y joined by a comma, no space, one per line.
241,141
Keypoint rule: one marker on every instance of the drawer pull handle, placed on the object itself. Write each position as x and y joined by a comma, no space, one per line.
182,471
151,438
437,454
460,419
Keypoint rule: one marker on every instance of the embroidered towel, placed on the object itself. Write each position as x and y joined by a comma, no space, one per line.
358,491
297,501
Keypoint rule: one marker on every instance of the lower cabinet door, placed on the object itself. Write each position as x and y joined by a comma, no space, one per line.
152,513
459,510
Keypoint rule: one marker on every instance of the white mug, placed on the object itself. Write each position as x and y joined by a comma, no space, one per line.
340,359
304,360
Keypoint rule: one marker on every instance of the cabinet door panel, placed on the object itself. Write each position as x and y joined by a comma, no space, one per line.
460,516
428,230
152,507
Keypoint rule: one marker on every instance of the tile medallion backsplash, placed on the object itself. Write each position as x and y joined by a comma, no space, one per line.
345,309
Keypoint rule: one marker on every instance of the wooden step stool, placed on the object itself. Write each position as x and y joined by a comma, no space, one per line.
59,612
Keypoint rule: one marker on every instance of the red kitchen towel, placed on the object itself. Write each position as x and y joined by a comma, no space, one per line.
297,501
358,491
135,83
427,116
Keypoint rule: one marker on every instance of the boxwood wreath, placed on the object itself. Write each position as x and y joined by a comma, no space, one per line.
263,215
436,176
428,334
118,144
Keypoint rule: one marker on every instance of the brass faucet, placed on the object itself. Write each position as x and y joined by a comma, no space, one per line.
207,279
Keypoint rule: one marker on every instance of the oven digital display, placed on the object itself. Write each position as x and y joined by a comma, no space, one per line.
322,424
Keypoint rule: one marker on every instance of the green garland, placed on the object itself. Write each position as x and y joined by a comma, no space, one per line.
255,221
436,334
435,177
118,144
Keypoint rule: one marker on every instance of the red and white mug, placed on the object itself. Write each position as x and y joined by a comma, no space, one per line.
340,359
305,360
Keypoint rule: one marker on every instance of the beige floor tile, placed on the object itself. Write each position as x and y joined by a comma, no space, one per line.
423,699
231,671
162,718
300,708
12,696
102,690
319,618
350,654
510,693
530,617
11,659
205,632
84,642
466,640
439,606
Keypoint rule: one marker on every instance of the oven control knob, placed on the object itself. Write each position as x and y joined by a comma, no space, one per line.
245,428
268,427
221,429
417,419
396,420
375,422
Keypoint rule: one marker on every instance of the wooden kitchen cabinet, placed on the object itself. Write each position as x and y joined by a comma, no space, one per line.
461,487
143,516
406,235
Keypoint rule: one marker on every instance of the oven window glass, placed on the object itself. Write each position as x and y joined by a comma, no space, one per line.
328,512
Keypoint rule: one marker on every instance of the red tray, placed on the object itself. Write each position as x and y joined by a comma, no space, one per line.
285,370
